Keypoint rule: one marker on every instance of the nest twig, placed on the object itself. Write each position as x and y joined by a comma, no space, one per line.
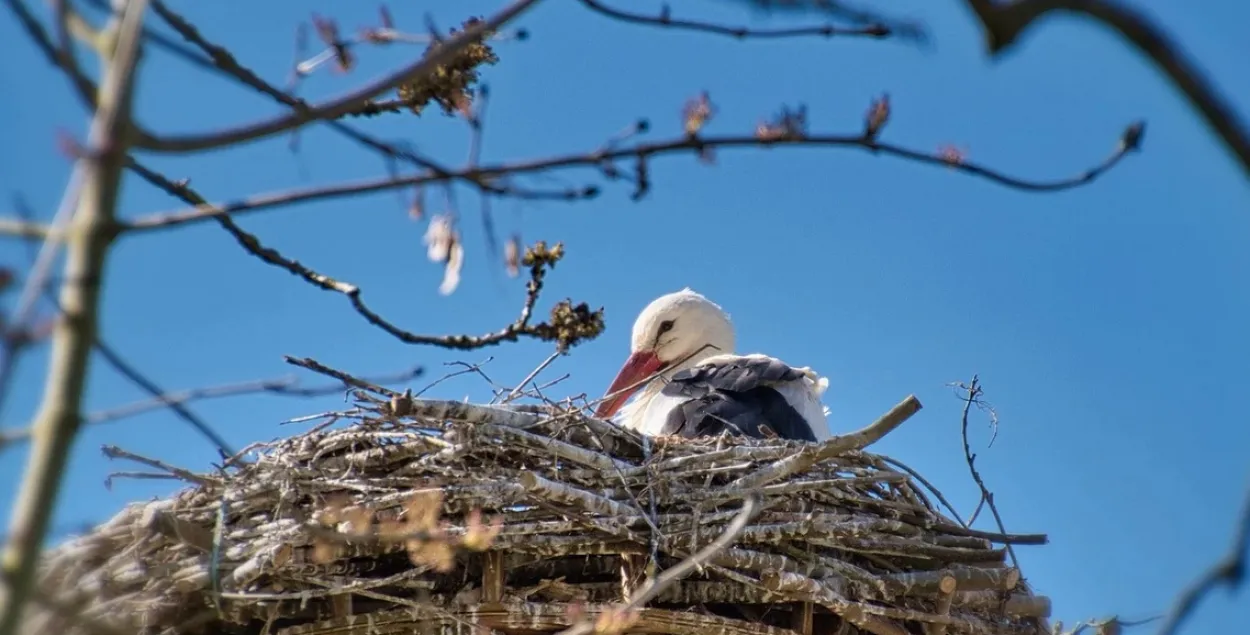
458,518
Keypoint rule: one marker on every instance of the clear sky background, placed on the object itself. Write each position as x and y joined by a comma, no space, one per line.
1107,323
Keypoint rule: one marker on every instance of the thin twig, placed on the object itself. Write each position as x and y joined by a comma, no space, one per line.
202,210
973,391
530,377
206,210
932,488
120,364
282,386
350,380
664,20
467,369
841,10
114,452
128,370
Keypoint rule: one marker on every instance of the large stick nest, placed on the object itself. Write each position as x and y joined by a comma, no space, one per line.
455,518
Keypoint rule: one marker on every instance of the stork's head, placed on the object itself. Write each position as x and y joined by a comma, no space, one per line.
675,331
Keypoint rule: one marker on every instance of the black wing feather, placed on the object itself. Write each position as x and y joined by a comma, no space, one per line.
740,375
735,397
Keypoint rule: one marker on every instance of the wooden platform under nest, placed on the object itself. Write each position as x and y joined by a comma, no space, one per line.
454,518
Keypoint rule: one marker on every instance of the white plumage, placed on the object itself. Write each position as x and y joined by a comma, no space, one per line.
700,387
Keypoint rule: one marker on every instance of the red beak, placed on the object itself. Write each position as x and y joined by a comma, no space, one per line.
639,366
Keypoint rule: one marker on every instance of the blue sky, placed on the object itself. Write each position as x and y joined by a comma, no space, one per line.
1106,322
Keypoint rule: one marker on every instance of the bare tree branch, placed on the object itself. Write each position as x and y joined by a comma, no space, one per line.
665,20
339,106
568,325
247,241
56,424
842,10
204,210
221,61
224,63
1004,23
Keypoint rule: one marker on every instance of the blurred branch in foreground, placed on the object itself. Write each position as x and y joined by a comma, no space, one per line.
1005,22
1229,571
100,166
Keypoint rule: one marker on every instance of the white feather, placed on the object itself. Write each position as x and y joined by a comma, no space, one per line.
700,322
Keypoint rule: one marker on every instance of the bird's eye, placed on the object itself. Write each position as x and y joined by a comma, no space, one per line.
666,326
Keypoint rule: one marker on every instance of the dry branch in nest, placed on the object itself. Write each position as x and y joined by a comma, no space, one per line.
446,517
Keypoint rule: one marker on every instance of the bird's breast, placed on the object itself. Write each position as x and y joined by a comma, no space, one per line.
654,414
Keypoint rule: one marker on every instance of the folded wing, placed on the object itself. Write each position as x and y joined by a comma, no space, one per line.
742,394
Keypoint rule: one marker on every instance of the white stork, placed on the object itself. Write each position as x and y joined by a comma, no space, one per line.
702,387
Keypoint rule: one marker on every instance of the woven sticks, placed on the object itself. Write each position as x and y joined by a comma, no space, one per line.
463,517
